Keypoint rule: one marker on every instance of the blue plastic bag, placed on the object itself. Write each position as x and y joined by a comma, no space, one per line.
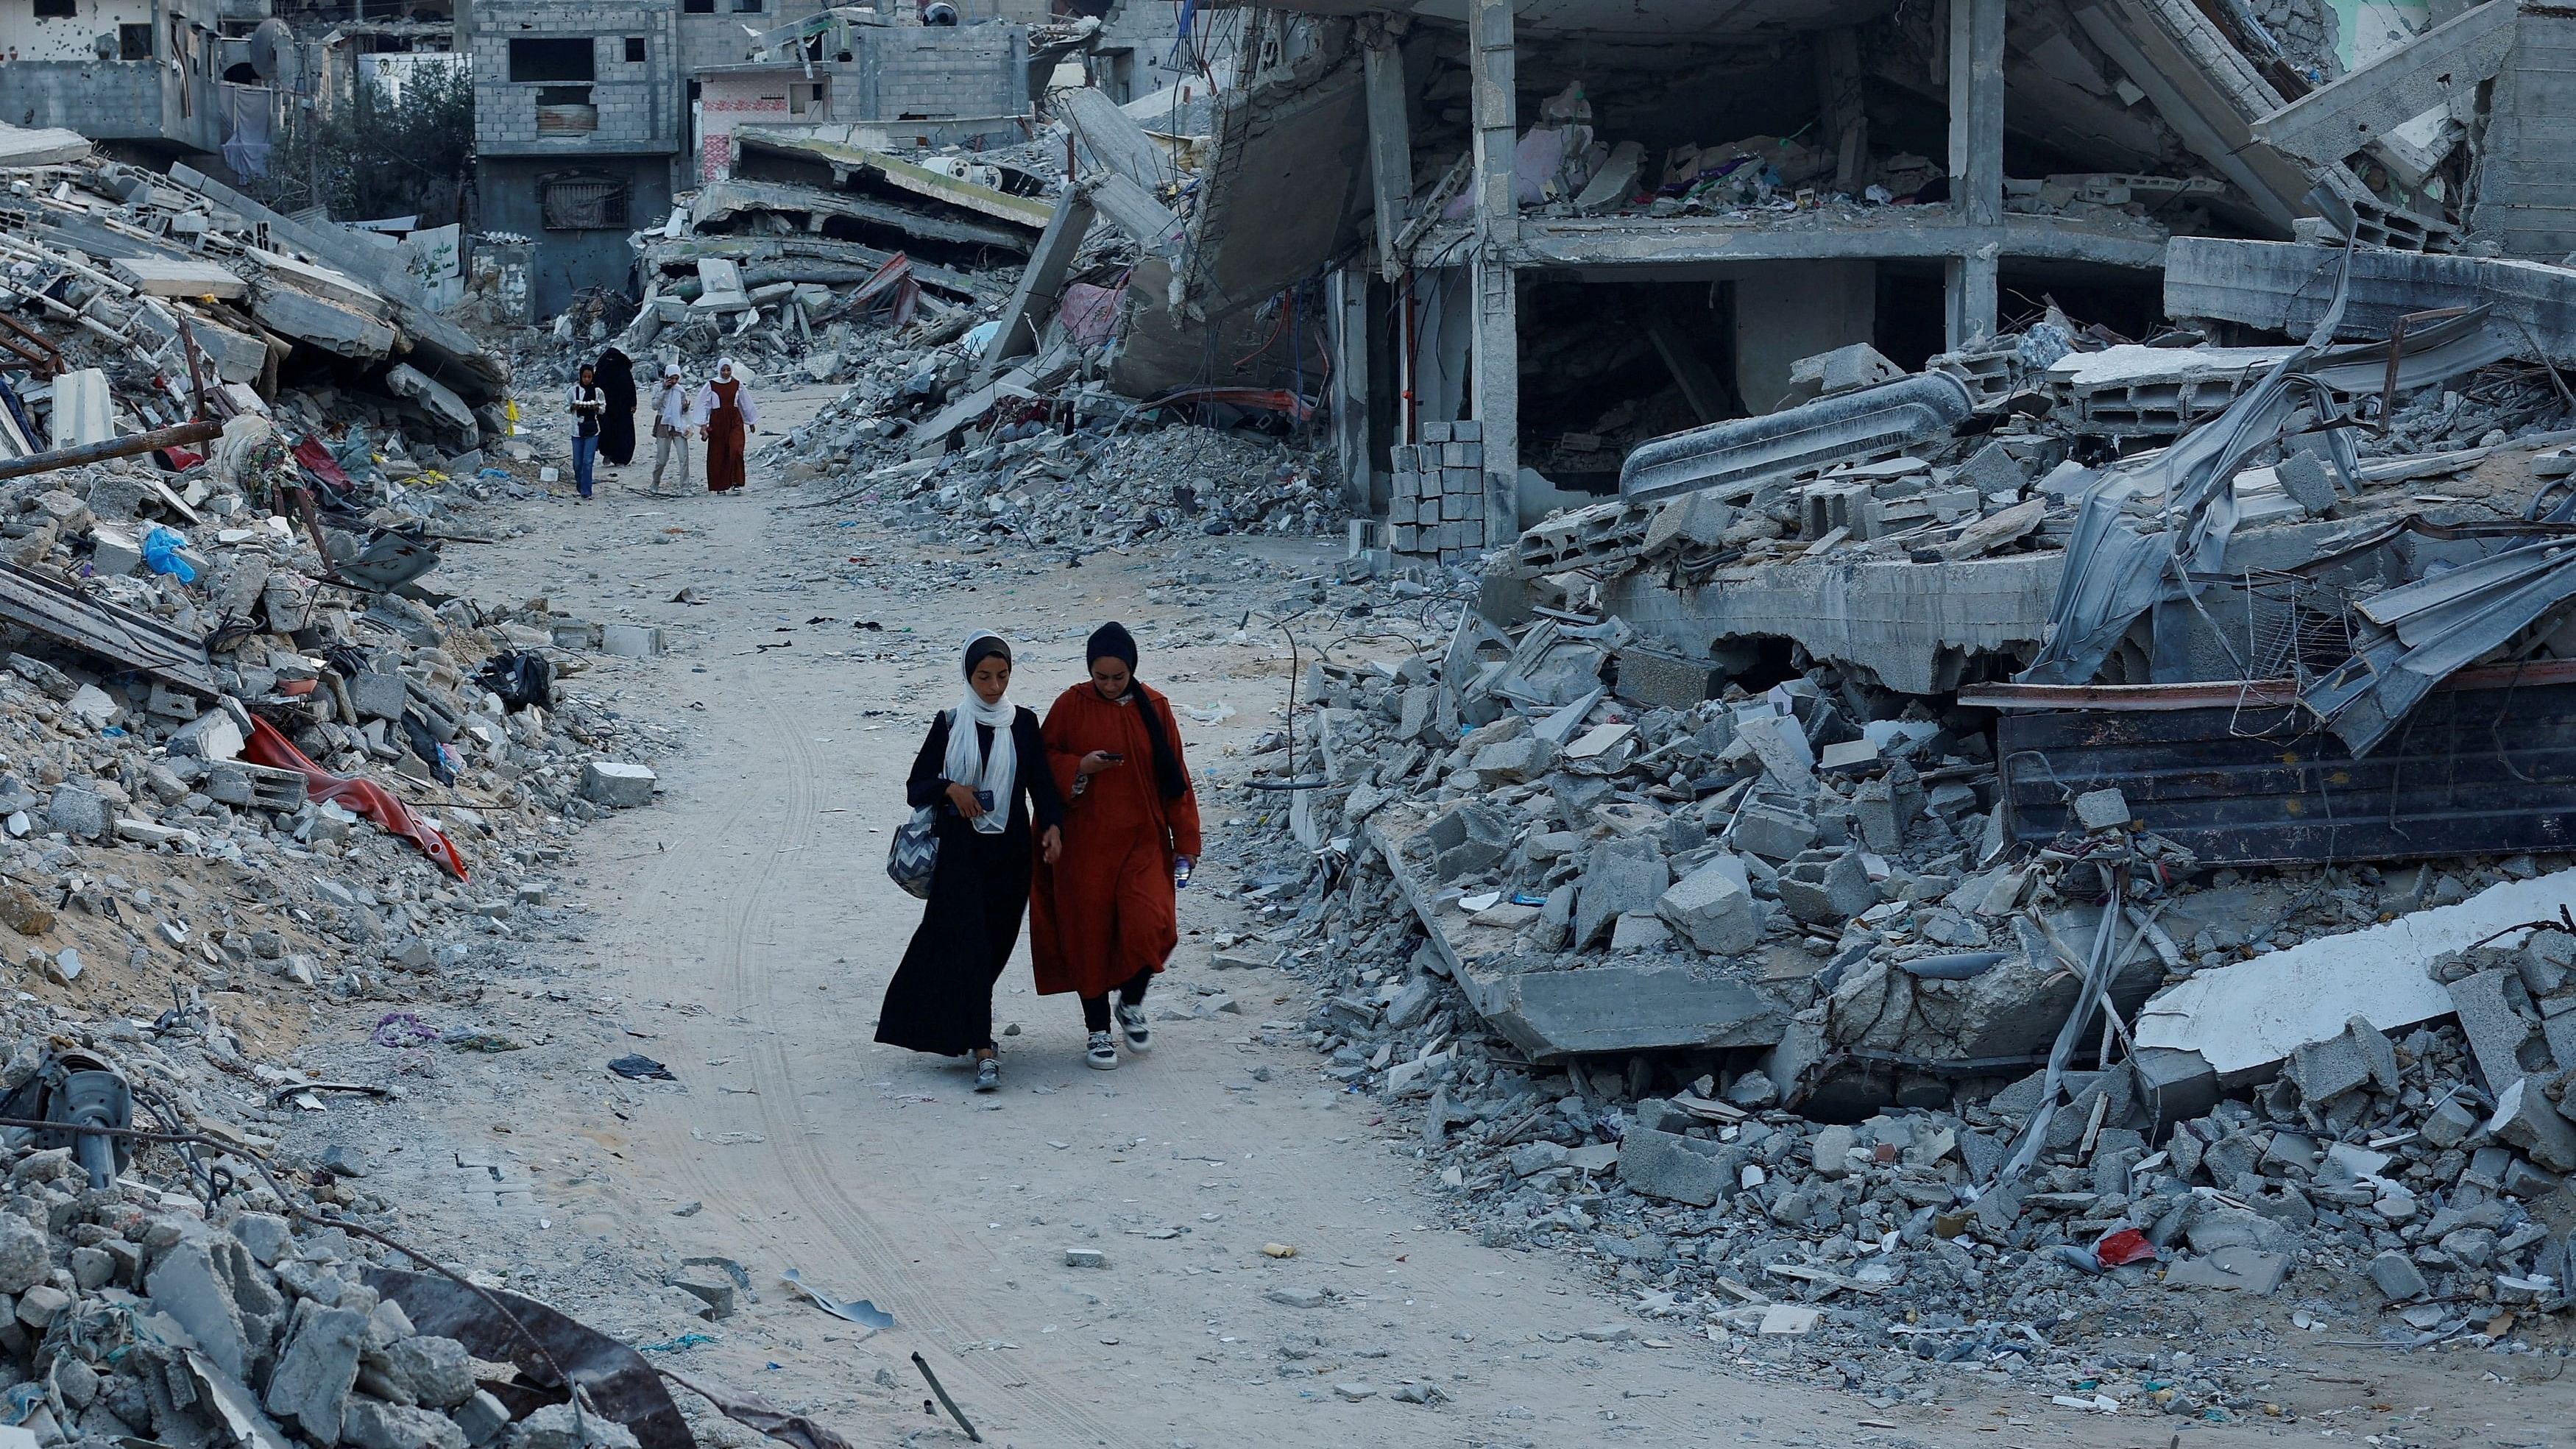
161,554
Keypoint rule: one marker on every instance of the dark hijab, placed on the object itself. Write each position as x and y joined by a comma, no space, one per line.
1112,641
616,377
986,646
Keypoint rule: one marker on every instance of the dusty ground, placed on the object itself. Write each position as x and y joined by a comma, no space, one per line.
741,931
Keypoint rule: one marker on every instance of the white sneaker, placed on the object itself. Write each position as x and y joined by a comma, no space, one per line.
1131,1020
1103,1056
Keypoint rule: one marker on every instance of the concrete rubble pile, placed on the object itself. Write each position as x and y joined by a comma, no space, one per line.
144,1305
174,283
1934,874
245,748
787,266
1753,1002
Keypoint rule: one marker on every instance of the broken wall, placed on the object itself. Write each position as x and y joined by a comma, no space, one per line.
1281,193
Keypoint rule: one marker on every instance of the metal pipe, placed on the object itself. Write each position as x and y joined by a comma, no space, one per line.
125,447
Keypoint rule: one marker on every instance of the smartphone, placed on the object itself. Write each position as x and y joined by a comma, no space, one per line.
1113,757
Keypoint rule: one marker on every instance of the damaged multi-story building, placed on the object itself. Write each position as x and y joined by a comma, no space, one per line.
589,123
1585,225
1545,255
155,78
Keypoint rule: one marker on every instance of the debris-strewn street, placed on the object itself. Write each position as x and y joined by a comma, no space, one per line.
1855,717
739,934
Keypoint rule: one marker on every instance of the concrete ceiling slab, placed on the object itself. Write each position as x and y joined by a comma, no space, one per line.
1632,19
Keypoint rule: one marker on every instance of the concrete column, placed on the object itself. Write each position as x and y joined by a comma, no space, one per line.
1976,46
1390,140
1346,295
1496,346
1843,124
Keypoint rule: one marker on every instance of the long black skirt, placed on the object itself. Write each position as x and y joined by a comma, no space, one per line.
941,998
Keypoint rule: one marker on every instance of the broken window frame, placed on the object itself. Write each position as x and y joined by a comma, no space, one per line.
127,38
57,9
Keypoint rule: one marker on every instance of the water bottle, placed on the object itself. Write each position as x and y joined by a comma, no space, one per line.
1180,872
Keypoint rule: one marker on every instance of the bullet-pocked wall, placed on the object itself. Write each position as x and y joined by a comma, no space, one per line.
579,210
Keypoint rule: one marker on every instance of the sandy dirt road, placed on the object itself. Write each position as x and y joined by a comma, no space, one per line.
743,931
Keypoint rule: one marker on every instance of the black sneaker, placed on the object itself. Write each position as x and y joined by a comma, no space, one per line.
1131,1020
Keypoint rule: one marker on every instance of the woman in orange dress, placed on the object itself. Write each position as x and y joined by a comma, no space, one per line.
1103,917
725,413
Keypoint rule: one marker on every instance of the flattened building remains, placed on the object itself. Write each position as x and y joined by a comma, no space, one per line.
2015,698
1996,729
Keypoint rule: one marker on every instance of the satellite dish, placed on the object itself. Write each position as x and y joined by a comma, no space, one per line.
273,56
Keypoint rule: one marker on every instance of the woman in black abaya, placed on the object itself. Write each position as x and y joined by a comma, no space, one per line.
615,376
984,769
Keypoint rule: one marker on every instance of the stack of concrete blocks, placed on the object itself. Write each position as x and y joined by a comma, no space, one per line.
1438,511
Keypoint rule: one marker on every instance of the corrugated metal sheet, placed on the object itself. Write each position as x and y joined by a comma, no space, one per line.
2486,766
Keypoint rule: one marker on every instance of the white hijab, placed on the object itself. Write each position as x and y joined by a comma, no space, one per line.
996,770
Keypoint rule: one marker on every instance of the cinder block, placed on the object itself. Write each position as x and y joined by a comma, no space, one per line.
617,784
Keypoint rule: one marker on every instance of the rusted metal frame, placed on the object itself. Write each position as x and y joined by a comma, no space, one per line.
38,350
2396,349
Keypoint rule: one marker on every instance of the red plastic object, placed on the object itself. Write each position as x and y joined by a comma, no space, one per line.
268,747
317,460
2118,1250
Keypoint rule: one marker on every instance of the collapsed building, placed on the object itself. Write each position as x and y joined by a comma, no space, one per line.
1998,745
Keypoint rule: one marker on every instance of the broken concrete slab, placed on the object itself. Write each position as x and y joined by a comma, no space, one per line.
83,411
617,784
2245,1018
1912,628
2361,1056
1550,1015
325,324
2285,287
2506,1043
1713,907
40,146
1113,138
2524,1118
2236,1269
1677,1168
1619,877
434,398
2443,67
155,275
1613,1008
311,1383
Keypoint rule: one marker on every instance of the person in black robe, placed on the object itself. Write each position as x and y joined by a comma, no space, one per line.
983,768
615,376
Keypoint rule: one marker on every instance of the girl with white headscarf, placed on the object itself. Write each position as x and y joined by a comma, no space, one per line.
725,414
983,769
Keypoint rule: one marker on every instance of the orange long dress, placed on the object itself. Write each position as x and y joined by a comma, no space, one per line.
1104,911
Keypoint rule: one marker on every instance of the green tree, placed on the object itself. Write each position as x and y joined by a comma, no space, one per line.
390,154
